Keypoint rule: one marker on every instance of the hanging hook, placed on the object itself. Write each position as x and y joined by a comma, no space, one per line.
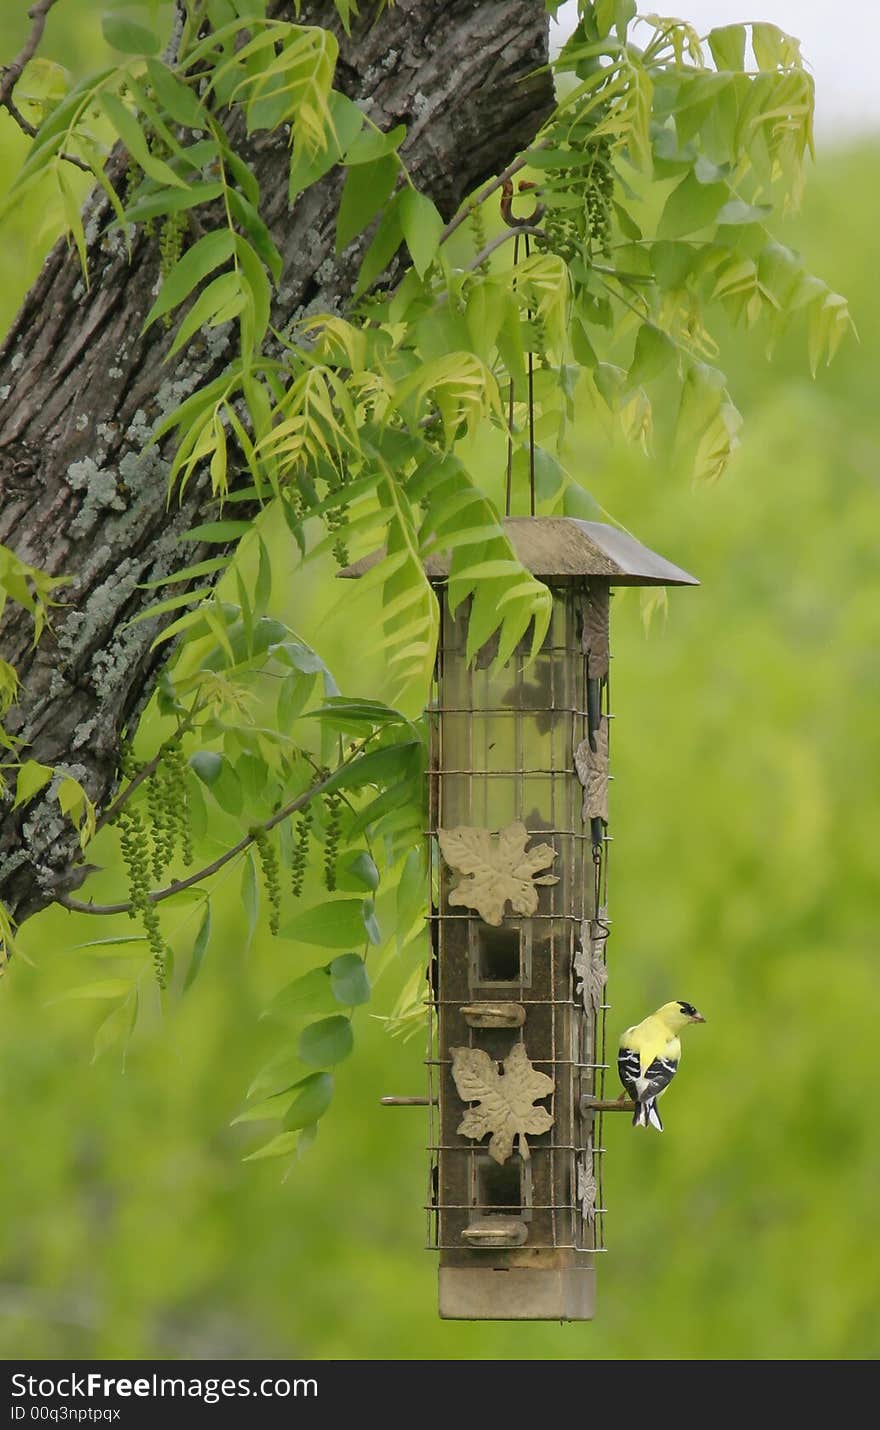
507,210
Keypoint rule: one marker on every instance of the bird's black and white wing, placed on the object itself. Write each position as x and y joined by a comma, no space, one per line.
657,1076
650,1083
628,1068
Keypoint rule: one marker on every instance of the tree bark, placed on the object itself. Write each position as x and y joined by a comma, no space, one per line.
81,388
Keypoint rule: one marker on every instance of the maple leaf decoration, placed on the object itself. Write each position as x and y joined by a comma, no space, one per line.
505,1099
589,961
586,1184
496,873
592,771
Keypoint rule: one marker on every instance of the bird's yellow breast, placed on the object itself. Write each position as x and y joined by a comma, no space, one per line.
651,1039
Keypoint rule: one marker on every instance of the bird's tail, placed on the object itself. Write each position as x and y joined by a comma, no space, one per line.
646,1114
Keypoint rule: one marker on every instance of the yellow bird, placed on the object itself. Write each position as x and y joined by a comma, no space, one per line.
649,1056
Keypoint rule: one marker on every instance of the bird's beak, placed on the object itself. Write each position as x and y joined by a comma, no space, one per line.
697,1018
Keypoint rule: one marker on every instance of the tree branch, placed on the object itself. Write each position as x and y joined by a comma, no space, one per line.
501,238
144,773
79,906
488,189
12,74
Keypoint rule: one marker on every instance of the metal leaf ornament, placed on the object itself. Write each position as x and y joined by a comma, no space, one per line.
592,769
586,1184
595,632
496,871
505,1099
589,961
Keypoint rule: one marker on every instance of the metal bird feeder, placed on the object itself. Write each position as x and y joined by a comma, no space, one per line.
518,834
518,844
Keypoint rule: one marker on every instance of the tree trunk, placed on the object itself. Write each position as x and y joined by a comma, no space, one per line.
81,387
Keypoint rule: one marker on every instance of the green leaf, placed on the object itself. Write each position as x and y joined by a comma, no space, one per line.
378,767
187,573
336,923
217,531
73,216
198,810
266,1111
672,263
365,191
263,587
349,980
223,299
207,254
628,226
357,870
728,46
128,36
736,211
277,1076
280,1146
691,206
207,765
327,1042
171,603
371,923
32,777
310,993
245,213
347,121
352,715
199,947
371,144
227,790
258,292
707,422
110,943
176,97
311,1102
654,351
166,201
386,241
411,897
105,988
708,173
135,141
257,785
76,804
422,226
116,1027
294,695
300,656
773,47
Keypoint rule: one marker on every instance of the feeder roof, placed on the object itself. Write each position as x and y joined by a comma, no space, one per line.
562,548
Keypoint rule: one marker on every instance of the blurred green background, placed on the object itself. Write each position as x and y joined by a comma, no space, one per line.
746,763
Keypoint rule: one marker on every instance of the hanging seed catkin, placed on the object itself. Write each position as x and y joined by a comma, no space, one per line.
478,234
271,878
331,840
135,854
598,198
300,853
159,832
176,772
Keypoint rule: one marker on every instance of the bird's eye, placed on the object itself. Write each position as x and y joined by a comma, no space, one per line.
687,1008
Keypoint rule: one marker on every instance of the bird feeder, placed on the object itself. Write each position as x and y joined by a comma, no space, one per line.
518,834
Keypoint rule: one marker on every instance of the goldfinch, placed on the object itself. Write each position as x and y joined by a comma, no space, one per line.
649,1056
